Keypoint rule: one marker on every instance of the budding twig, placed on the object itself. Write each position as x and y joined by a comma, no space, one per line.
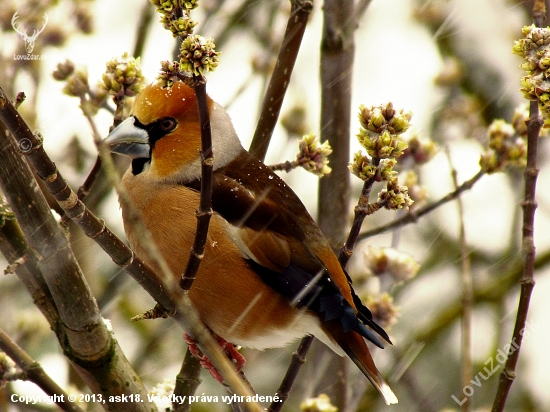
527,281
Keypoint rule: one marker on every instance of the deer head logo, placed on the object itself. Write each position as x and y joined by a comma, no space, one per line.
29,40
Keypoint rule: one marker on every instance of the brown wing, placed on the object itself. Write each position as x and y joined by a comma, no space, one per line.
283,244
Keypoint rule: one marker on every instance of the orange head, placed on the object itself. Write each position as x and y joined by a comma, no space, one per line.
163,137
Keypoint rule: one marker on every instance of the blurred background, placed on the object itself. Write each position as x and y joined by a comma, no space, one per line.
449,62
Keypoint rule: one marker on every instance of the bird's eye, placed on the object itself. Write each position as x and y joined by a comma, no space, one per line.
167,124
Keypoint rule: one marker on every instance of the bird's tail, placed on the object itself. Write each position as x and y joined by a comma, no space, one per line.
356,348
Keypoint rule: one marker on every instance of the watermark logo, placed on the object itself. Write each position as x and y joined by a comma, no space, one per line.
28,39
491,367
25,145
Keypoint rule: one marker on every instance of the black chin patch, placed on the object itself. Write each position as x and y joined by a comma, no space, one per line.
138,165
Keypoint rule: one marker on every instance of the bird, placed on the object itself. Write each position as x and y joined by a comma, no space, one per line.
269,276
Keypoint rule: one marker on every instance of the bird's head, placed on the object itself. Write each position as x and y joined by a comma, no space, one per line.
162,136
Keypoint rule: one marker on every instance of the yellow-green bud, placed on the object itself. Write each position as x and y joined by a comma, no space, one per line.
313,156
381,126
198,55
169,73
386,169
63,70
361,166
395,196
489,162
498,133
77,84
319,404
389,261
123,77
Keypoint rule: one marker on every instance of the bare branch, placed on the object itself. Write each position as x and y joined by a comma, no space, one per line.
187,381
466,280
14,247
298,359
204,212
337,51
144,25
36,374
527,281
280,78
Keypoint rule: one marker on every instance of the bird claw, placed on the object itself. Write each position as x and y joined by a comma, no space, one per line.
230,350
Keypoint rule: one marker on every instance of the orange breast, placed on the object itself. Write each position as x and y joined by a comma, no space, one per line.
230,298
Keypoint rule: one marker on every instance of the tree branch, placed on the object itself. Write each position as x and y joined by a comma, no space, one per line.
298,359
204,212
337,60
280,79
15,248
337,57
527,281
144,26
36,374
490,292
187,381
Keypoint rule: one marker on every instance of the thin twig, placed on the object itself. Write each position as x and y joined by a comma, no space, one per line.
413,215
527,281
285,166
491,292
423,403
361,7
144,25
187,381
204,212
298,359
361,211
280,78
36,374
288,165
466,280
189,369
84,190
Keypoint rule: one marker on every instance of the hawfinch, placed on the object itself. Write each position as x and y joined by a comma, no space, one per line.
269,275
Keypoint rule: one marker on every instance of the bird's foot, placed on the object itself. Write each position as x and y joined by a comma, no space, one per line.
230,350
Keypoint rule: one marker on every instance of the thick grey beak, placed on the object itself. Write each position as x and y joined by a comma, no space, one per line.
129,140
